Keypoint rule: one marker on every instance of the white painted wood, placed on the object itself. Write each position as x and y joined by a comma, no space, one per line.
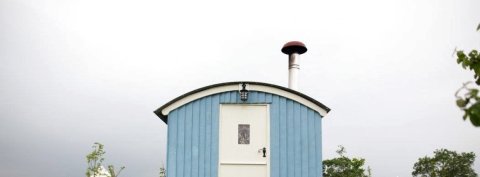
236,159
251,87
291,96
197,95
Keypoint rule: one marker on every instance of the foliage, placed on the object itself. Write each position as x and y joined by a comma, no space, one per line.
163,172
95,160
445,163
344,166
470,61
113,173
469,102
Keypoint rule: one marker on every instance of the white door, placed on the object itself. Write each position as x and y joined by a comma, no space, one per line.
243,136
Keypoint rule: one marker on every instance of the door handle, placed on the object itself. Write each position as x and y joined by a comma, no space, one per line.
264,150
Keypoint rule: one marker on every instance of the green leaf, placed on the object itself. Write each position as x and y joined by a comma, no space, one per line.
473,55
459,60
460,54
477,81
474,52
478,28
474,92
461,103
474,115
475,121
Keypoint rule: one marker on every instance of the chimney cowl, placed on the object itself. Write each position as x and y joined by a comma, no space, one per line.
294,47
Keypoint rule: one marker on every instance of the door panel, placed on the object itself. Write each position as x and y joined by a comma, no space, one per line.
243,135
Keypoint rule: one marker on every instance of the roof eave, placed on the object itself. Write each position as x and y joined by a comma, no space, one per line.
164,118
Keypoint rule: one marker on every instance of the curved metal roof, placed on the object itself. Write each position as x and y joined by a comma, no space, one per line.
163,111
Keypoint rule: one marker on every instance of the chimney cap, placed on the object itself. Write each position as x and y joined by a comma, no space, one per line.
294,47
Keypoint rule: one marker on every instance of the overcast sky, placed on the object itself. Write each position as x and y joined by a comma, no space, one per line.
77,72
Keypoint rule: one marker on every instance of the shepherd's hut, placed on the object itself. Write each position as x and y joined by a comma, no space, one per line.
245,129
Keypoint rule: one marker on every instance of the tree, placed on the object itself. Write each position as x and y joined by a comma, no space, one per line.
469,103
344,166
445,163
94,163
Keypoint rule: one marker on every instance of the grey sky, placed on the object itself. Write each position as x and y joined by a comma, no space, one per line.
77,72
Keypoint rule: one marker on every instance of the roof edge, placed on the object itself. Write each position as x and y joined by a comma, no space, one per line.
164,118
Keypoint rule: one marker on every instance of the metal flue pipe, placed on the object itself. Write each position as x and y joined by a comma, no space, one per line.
293,49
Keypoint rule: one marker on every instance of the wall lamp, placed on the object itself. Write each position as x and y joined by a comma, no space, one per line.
243,92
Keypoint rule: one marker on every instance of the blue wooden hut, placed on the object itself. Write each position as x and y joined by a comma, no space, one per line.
249,129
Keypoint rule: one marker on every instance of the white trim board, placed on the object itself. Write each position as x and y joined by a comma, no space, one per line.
250,87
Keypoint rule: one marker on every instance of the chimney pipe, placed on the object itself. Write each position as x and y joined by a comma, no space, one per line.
293,49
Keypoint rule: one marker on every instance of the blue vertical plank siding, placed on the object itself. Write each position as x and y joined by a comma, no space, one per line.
274,138
290,140
252,97
171,147
261,97
283,137
188,140
233,97
215,135
303,143
181,142
201,134
226,97
208,136
298,140
193,135
312,164
268,98
318,138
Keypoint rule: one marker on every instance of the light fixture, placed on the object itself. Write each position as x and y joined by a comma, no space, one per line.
243,92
